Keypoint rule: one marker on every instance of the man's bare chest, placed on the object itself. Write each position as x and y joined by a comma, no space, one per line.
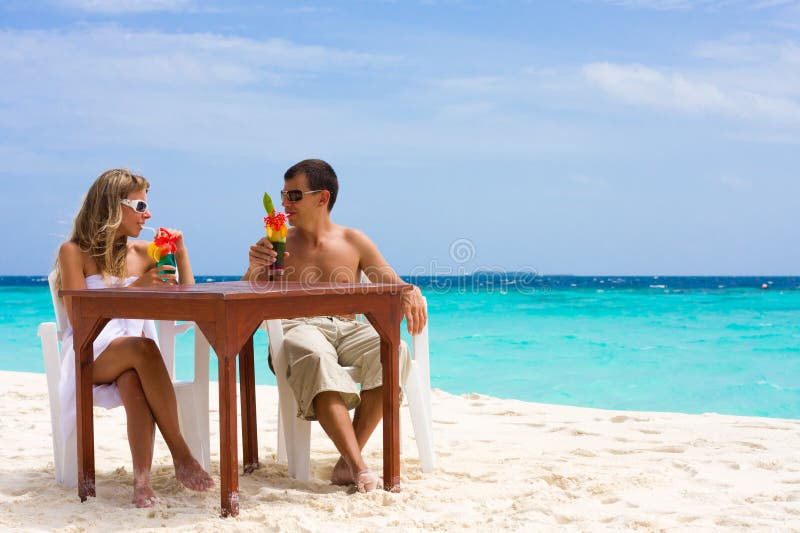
323,263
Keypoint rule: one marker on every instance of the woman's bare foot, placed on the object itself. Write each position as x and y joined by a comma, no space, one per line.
192,476
341,473
143,495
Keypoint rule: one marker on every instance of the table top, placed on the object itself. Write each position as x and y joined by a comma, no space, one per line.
240,290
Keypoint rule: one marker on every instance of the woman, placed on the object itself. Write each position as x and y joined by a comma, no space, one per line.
128,368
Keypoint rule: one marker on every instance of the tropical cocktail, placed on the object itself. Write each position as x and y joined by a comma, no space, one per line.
275,224
162,249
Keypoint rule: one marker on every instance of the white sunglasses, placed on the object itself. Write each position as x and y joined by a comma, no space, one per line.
140,206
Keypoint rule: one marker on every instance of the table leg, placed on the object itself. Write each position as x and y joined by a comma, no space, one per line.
84,401
228,453
247,396
391,411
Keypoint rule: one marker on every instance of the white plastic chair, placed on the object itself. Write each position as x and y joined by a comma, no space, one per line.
192,396
294,434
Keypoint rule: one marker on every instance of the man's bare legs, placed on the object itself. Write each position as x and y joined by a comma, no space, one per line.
355,435
141,436
142,356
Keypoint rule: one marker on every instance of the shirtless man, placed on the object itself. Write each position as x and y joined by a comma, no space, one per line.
317,348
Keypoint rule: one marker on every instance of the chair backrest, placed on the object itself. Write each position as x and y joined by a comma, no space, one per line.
66,470
364,279
58,305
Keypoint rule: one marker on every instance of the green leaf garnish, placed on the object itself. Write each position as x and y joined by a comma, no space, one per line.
269,207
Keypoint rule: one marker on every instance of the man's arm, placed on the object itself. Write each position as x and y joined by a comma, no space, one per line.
372,263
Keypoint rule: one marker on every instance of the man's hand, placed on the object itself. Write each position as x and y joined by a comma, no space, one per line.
414,311
262,256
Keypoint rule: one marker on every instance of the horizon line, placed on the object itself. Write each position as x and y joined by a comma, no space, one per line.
484,272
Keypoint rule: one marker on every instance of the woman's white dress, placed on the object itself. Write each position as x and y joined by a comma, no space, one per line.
104,395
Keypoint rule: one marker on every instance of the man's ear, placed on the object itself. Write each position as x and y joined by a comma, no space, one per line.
325,197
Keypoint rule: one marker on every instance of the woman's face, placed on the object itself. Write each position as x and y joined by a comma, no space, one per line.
132,221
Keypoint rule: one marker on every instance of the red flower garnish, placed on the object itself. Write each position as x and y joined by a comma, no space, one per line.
276,221
166,241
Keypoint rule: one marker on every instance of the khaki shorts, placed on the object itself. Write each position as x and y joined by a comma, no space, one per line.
317,350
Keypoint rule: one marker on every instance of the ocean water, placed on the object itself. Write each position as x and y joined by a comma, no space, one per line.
688,344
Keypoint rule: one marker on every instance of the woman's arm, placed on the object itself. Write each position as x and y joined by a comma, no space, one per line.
70,265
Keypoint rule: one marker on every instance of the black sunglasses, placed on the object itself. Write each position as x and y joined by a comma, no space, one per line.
295,195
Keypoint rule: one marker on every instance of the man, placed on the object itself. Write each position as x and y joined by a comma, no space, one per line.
317,348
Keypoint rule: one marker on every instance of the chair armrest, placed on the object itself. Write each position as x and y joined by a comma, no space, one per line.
172,328
180,329
274,332
49,328
168,331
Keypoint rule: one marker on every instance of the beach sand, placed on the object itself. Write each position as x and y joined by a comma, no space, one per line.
502,465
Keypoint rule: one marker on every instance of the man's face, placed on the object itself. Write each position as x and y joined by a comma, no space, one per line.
301,209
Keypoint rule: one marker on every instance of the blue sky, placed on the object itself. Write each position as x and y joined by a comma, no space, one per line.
569,136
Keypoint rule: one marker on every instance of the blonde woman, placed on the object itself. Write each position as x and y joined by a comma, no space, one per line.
128,367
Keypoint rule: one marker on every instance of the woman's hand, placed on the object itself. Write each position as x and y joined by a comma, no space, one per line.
182,258
180,246
152,277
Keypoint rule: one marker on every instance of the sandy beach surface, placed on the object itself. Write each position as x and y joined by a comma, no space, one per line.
502,465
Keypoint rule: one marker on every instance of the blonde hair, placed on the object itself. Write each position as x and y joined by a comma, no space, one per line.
100,216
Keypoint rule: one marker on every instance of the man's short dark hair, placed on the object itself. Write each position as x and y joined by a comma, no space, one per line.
320,177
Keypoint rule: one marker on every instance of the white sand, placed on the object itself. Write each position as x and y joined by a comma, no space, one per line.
502,465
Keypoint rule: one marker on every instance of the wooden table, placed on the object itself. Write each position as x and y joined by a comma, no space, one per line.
228,314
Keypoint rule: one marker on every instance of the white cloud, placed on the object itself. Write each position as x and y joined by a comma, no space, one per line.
744,63
654,4
126,6
116,56
111,87
309,10
115,89
733,182
552,88
764,4
476,84
649,87
587,180
710,5
746,50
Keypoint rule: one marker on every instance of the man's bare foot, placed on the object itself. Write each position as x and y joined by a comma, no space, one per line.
143,495
191,474
341,473
367,481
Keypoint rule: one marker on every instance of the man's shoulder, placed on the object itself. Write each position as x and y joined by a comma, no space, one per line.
352,234
355,237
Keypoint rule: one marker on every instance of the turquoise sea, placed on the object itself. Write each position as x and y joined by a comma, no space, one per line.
685,344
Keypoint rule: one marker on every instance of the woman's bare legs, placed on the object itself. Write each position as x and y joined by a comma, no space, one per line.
142,355
141,436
